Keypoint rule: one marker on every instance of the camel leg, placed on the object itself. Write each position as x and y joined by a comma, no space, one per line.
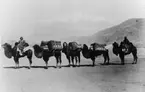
105,60
134,53
68,57
122,58
105,57
136,60
72,59
108,59
29,56
76,60
57,60
30,63
60,61
16,62
134,57
93,60
79,59
15,65
46,62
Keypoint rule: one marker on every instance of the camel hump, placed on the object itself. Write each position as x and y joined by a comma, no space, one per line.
97,46
74,45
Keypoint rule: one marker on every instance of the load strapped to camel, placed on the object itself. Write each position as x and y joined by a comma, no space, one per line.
74,46
54,45
126,46
44,45
98,47
51,45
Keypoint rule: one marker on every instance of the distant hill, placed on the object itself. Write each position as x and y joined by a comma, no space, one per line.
133,28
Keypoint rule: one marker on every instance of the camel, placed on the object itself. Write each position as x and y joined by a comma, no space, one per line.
72,50
92,53
46,53
125,49
10,52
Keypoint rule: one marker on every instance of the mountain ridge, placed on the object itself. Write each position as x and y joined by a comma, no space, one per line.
132,28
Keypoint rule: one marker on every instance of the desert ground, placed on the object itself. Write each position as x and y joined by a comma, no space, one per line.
101,78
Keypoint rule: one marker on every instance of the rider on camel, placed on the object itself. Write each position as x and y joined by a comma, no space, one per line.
126,43
21,45
126,40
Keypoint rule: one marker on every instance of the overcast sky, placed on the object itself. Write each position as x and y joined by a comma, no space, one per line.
55,19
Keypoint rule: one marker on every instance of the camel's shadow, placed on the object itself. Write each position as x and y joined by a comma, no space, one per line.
13,67
44,67
112,63
27,67
65,66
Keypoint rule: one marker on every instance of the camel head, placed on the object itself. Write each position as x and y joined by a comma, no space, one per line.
38,51
115,48
86,51
64,46
7,50
80,46
85,47
115,45
6,46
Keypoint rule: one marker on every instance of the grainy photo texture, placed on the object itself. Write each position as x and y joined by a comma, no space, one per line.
72,46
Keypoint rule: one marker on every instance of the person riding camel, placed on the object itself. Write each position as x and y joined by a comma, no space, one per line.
21,45
126,40
126,43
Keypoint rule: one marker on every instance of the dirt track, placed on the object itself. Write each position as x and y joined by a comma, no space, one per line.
101,78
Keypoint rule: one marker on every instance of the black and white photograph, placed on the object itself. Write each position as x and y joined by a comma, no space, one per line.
72,45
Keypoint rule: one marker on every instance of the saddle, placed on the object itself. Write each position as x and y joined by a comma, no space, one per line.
74,46
126,47
51,45
98,47
44,45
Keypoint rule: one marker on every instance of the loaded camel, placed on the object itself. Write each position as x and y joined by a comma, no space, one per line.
48,49
94,51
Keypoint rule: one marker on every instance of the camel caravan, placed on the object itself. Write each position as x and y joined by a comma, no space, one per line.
72,51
